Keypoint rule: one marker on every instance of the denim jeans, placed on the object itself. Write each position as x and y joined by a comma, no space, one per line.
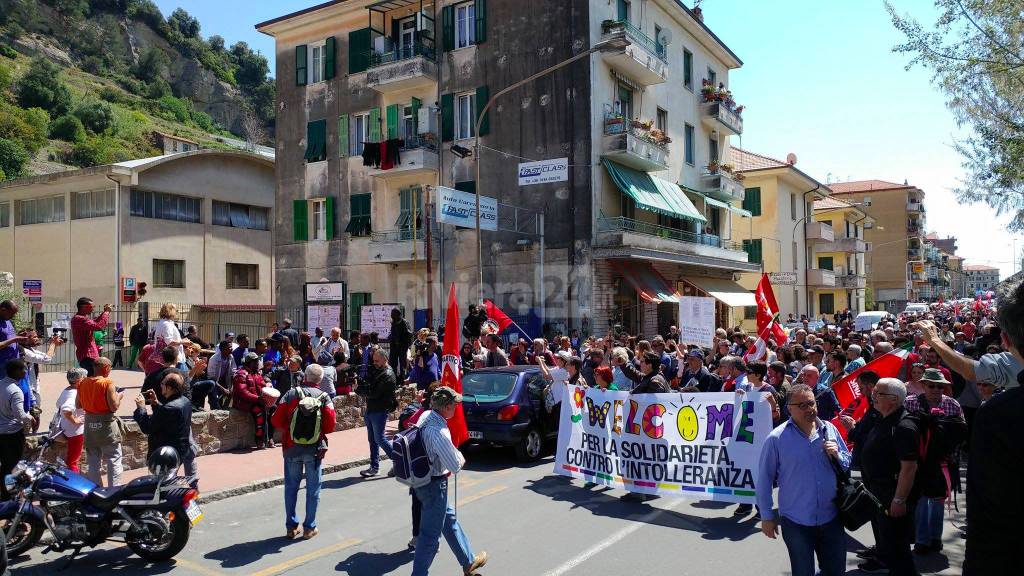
827,541
295,468
929,520
375,422
436,518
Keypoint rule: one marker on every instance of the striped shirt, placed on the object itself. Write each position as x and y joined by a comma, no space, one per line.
949,406
437,439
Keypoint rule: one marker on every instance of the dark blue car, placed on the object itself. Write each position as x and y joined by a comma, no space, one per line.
505,407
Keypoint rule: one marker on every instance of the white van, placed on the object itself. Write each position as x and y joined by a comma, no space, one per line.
916,308
868,320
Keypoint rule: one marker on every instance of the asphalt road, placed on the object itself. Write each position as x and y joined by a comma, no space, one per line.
530,521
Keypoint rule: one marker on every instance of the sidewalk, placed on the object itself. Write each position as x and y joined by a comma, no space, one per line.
235,473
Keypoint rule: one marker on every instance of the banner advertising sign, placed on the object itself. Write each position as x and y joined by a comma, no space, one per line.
783,278
697,320
325,291
544,171
459,208
703,446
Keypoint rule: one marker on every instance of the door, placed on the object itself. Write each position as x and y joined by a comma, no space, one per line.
407,37
625,94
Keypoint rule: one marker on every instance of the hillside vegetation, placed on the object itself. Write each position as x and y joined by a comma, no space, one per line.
87,82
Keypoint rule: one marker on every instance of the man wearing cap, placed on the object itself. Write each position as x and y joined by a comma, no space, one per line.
816,356
290,333
437,516
933,482
694,376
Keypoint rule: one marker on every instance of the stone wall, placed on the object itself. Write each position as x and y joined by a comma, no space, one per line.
226,430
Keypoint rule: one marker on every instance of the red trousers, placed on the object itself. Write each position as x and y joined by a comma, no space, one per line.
75,446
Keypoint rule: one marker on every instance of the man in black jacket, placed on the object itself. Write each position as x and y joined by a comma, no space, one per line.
137,338
400,340
473,322
695,377
170,424
379,391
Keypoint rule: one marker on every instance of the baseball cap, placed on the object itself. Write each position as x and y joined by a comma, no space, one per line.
250,357
695,353
445,395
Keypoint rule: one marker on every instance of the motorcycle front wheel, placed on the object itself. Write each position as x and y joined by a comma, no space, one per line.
163,538
25,537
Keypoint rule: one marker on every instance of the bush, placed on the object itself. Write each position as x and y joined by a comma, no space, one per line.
98,150
26,127
13,158
157,89
93,65
41,87
6,79
2,176
38,122
7,51
203,120
96,116
112,95
152,64
68,128
175,108
146,11
132,85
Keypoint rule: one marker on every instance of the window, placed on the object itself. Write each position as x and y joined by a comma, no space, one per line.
688,144
627,207
622,10
750,312
465,113
356,300
826,304
715,220
712,149
185,147
316,71
688,69
753,250
163,206
241,215
359,221
662,121
657,41
316,141
360,124
792,207
752,201
713,77
41,210
93,204
408,128
624,103
465,25
168,273
5,215
243,276
319,219
825,263
410,200
670,222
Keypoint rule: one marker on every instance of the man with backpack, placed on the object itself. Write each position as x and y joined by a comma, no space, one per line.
305,415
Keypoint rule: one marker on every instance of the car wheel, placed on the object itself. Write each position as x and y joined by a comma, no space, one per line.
531,446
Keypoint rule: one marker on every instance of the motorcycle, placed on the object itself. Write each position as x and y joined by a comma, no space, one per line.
155,513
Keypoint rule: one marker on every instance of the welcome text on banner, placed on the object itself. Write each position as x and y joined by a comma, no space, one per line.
703,446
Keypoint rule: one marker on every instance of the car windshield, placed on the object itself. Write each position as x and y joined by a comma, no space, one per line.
488,386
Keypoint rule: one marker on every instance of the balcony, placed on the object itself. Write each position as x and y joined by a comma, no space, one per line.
398,245
915,208
847,245
722,184
403,68
853,281
644,60
819,232
718,116
418,157
620,232
635,144
820,278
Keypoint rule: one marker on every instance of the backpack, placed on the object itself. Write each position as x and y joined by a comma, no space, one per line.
940,436
305,424
409,457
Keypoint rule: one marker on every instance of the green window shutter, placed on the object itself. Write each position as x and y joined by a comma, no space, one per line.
392,119
300,220
331,49
343,135
448,27
753,250
758,254
359,210
752,201
329,209
467,186
358,50
481,21
301,70
447,116
316,141
482,96
623,10
374,134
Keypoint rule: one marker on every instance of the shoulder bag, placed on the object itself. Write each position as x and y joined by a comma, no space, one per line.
856,504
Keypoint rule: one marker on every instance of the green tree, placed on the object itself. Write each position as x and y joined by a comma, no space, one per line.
975,51
38,122
68,128
186,25
96,116
152,64
175,108
42,87
252,67
13,158
98,150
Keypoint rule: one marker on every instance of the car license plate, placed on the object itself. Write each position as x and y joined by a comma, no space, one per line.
194,513
476,435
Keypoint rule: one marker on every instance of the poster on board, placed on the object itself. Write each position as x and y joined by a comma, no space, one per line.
376,318
697,321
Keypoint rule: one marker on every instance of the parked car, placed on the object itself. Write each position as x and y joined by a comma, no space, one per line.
505,407
869,320
916,308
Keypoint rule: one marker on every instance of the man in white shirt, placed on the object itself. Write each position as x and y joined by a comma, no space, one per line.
336,342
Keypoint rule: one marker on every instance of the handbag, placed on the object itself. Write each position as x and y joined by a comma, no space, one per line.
857,505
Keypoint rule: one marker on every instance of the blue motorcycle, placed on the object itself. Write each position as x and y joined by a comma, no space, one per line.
155,513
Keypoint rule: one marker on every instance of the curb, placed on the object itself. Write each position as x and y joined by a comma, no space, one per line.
260,485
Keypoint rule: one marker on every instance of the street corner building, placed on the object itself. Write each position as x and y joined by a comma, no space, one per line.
194,226
377,108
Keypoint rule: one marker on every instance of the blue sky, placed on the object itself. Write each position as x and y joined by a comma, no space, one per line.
819,79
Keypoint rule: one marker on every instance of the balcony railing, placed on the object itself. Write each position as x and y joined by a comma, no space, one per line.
636,36
402,235
401,53
636,144
622,224
615,123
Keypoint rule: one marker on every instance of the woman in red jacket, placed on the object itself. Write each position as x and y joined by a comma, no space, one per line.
247,393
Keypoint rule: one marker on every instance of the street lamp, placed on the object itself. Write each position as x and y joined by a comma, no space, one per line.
615,44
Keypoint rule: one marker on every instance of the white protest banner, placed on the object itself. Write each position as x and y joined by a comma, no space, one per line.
704,446
544,171
459,208
697,320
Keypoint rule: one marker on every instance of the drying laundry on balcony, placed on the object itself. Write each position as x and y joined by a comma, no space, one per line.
384,155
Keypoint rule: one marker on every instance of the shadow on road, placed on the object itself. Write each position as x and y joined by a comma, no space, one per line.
600,503
362,563
491,459
246,553
118,559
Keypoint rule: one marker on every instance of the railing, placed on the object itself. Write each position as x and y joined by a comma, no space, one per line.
401,234
622,224
401,53
421,141
636,36
615,123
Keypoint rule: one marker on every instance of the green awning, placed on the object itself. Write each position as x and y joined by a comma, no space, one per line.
725,205
653,193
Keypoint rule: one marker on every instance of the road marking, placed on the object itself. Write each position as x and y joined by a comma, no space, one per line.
612,540
300,560
197,568
479,495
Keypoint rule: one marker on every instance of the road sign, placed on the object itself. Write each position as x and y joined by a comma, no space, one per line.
128,289
33,290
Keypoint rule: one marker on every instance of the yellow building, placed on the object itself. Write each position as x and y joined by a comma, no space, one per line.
838,261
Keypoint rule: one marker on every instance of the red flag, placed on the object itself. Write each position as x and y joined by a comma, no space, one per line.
887,366
768,324
495,313
451,367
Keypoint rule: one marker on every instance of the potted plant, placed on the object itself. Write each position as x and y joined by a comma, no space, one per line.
713,167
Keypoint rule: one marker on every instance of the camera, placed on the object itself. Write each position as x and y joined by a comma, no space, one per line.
421,348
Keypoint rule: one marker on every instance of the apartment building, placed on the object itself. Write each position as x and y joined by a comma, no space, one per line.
980,277
644,215
957,278
837,276
194,226
895,266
